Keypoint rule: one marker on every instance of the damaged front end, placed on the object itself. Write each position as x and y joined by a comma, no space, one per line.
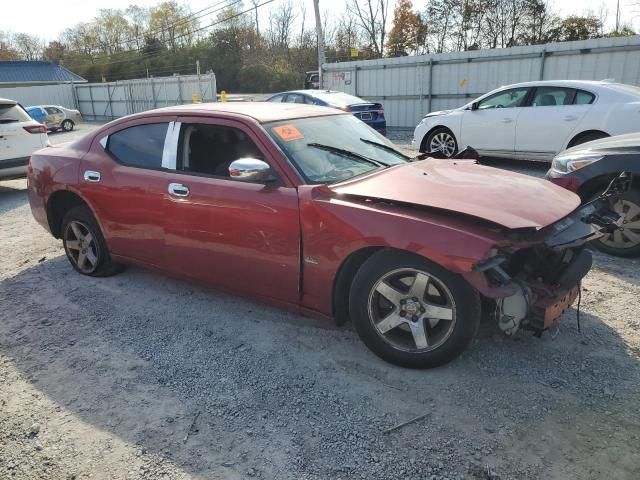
536,277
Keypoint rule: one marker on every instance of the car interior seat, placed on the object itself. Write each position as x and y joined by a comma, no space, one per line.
547,100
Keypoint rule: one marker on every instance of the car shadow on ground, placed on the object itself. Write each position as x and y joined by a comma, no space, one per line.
213,385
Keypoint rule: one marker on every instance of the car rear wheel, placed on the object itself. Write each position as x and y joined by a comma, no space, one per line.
84,244
441,141
412,312
67,125
624,242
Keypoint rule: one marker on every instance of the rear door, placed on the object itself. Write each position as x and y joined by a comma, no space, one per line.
238,235
54,117
492,127
124,178
16,142
546,125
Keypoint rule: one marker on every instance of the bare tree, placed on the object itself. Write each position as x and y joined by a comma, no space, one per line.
372,17
256,4
29,47
281,23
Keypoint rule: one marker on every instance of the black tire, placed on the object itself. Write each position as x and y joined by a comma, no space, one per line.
104,265
67,125
466,305
633,250
586,137
426,146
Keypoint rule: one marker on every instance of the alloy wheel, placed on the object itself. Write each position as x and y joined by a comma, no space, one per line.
628,235
412,310
444,143
81,246
67,126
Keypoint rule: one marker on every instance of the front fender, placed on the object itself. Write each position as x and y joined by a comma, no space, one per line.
333,228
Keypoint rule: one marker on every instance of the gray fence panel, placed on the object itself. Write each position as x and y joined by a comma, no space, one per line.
41,95
105,101
408,89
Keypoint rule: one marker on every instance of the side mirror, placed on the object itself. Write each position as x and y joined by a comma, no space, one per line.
251,170
475,105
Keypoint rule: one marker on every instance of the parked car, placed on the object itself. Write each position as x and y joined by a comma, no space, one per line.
39,114
589,168
369,112
307,208
61,118
312,80
20,135
532,121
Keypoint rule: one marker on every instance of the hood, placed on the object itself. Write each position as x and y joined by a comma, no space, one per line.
629,143
438,113
508,199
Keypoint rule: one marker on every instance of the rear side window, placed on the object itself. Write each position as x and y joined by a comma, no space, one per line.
10,113
584,98
52,110
552,96
277,98
139,146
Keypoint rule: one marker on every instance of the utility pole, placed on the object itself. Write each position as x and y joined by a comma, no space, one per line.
316,8
618,17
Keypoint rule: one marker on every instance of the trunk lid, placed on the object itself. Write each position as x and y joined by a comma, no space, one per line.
509,199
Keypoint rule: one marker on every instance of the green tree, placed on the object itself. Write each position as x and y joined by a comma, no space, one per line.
576,28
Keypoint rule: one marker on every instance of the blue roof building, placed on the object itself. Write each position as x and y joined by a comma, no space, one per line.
30,73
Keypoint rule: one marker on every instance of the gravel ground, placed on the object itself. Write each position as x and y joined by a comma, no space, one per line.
140,376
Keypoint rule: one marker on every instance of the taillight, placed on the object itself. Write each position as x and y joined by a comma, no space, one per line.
36,129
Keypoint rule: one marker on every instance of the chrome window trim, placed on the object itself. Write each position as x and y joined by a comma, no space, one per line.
103,141
170,150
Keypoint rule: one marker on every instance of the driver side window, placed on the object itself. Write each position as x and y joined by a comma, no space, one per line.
207,149
506,99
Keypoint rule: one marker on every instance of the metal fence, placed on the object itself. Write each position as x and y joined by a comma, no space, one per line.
106,101
41,95
409,87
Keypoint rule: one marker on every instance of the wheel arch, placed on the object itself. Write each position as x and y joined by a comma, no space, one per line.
597,184
58,204
344,278
574,140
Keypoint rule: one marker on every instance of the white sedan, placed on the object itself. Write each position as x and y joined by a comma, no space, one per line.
533,120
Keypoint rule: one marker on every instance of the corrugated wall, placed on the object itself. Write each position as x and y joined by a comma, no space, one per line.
41,95
105,101
410,87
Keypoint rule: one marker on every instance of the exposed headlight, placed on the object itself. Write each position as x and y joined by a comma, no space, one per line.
574,161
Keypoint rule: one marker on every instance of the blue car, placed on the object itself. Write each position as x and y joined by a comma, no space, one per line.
370,113
39,114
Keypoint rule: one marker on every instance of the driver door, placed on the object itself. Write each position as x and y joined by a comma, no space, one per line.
491,129
228,233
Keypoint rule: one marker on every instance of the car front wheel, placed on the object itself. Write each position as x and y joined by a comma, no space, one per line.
624,242
441,141
412,312
67,125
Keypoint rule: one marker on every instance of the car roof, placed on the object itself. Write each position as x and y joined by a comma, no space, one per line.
562,83
262,112
6,100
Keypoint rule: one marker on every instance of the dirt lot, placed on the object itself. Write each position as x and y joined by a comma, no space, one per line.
139,376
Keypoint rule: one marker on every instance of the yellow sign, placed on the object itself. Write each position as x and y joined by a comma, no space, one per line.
463,82
354,52
223,96
195,98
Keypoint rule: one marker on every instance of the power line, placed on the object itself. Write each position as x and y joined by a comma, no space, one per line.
185,20
149,55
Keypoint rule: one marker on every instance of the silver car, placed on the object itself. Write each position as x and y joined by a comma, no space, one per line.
61,118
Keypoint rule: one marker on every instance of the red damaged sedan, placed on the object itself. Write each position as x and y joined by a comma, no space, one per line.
308,208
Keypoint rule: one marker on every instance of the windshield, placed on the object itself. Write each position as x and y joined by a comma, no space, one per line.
12,113
624,88
333,148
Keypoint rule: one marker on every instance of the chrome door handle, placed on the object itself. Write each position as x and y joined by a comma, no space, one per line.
507,120
570,118
178,190
91,176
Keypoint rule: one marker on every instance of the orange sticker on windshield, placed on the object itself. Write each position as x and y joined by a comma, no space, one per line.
288,133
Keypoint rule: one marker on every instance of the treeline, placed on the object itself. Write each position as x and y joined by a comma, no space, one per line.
267,45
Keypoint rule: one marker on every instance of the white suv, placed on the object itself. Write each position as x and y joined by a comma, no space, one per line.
20,136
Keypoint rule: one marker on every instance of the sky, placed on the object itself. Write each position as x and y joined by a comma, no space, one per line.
47,18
